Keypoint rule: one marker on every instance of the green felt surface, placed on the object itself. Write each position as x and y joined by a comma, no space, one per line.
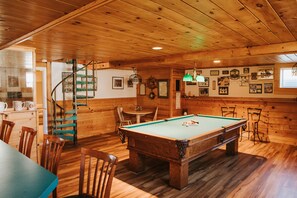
22,177
174,128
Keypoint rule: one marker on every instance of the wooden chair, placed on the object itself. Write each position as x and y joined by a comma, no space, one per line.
52,147
122,120
97,170
155,117
26,140
228,111
254,115
6,129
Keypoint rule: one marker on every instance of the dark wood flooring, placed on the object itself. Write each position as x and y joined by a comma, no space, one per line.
260,170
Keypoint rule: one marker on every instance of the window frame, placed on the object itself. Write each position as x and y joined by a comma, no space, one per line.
277,73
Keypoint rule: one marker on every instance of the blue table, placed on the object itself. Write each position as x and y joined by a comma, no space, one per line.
180,140
22,177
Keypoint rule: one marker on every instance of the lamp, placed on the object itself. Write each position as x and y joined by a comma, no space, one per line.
294,70
135,78
187,77
196,78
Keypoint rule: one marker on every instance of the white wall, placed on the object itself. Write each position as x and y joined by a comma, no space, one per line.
235,88
104,82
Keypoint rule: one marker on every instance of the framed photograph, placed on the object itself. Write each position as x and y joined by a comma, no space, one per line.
117,82
203,92
225,72
67,85
223,81
244,80
268,87
191,83
246,70
255,89
130,83
163,88
142,89
205,83
254,76
234,74
223,90
214,72
266,73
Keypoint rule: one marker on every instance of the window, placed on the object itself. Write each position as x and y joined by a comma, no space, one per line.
29,79
287,79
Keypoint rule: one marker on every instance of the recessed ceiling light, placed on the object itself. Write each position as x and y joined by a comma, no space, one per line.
216,61
157,48
44,60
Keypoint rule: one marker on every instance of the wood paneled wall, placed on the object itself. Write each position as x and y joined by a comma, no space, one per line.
278,118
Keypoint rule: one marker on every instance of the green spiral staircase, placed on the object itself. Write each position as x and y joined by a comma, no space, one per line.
64,115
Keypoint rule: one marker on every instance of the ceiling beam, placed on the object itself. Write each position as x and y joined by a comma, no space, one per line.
272,49
87,8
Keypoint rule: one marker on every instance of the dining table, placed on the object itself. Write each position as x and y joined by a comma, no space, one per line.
138,113
23,177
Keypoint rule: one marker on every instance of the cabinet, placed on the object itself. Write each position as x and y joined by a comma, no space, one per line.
21,118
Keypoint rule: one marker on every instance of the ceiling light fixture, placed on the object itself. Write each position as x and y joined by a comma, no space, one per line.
157,48
216,61
135,78
195,78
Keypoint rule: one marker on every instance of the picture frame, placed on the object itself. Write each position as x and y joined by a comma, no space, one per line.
223,90
246,70
117,82
142,90
203,92
255,88
265,74
163,88
225,72
129,83
254,76
223,81
205,83
214,72
268,87
191,83
67,85
244,80
234,74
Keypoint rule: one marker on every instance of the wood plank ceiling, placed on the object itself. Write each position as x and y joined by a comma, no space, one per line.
238,32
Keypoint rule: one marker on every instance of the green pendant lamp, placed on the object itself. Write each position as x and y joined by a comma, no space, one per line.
187,77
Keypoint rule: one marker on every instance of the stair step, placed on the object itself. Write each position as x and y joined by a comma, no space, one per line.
66,137
65,119
85,89
83,97
84,75
80,104
72,111
60,132
78,82
66,125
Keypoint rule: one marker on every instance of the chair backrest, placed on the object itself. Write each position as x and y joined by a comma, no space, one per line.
228,111
120,113
156,114
6,129
97,170
51,152
26,140
254,114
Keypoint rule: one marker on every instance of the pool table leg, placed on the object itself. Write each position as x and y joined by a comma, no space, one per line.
232,147
136,161
179,174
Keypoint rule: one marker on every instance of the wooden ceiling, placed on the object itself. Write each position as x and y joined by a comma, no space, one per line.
238,32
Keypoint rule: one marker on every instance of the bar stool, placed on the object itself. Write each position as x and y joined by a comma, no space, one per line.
228,111
254,115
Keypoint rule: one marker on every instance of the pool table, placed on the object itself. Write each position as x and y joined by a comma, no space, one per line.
180,140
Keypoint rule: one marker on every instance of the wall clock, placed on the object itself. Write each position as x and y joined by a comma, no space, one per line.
152,83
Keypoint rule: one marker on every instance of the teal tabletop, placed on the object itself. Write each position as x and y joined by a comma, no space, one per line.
22,177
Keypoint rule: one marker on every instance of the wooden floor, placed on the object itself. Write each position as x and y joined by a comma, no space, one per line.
260,170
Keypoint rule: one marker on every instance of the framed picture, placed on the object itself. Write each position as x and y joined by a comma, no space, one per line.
163,88
214,72
117,82
142,89
205,83
246,70
265,73
191,83
203,92
254,76
234,74
244,80
223,81
225,72
255,89
223,90
130,83
268,87
67,85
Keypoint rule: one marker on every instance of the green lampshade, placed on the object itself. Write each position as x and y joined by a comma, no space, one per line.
200,78
187,78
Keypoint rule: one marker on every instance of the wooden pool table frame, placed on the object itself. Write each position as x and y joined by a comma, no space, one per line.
178,152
